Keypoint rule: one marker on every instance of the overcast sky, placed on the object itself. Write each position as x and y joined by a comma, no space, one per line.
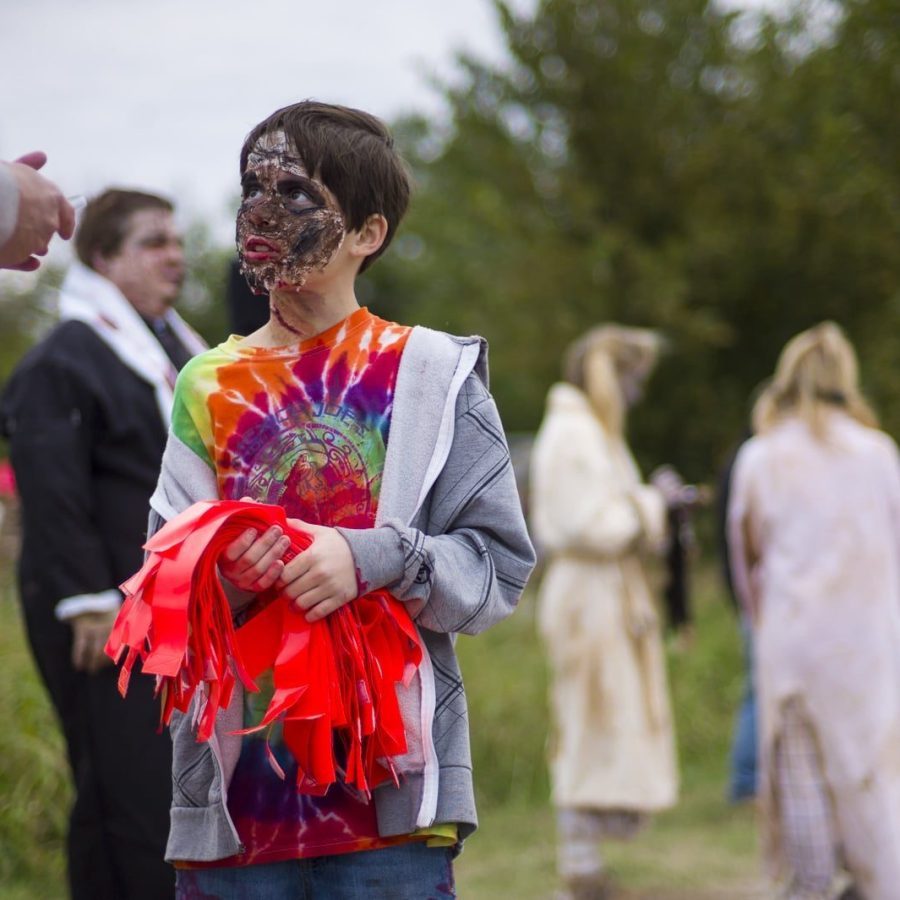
159,94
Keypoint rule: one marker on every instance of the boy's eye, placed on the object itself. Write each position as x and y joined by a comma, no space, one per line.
252,193
298,193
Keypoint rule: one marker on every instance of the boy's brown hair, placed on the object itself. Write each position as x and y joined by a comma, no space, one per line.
104,221
352,153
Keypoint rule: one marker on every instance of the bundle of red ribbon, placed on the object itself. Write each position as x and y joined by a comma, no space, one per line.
335,679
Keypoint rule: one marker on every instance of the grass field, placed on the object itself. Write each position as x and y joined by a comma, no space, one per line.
702,850
34,778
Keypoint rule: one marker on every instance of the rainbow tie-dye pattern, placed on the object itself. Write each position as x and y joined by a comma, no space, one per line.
305,427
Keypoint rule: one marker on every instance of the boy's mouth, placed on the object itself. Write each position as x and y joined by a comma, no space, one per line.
258,249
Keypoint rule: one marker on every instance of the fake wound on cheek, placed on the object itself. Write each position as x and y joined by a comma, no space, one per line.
299,242
319,237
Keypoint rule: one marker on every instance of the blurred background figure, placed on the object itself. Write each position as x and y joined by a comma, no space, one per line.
613,759
742,771
814,523
85,413
7,488
32,210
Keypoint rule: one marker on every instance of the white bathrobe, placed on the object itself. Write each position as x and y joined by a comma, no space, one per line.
614,746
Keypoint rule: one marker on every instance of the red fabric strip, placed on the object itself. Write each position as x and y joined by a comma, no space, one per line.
335,679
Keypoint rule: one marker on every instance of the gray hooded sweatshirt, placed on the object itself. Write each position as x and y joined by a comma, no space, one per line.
449,540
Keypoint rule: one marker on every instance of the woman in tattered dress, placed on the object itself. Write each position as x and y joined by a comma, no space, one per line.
815,522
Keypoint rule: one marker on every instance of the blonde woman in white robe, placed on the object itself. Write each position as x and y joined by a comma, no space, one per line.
613,757
814,521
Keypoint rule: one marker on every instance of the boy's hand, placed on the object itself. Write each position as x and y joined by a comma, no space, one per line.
253,562
322,578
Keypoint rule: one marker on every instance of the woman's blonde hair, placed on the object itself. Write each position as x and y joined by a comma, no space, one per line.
816,372
596,361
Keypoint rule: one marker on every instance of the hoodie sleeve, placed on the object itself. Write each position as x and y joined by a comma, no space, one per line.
469,566
187,474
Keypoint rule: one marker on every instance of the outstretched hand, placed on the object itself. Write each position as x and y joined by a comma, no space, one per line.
43,211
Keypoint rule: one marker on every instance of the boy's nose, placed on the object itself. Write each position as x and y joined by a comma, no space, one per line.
261,213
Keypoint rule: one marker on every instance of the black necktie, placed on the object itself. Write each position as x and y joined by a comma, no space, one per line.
175,350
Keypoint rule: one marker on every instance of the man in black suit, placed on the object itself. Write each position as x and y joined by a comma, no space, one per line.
86,414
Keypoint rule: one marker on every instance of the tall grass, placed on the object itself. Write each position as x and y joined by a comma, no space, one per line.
35,789
704,847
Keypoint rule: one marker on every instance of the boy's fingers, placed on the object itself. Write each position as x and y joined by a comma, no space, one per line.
306,582
319,612
297,567
270,576
325,608
308,599
273,554
300,525
259,555
240,545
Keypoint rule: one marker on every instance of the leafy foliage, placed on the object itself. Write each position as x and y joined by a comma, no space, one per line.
729,179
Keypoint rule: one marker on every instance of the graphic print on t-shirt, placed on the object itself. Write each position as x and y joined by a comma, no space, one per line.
306,428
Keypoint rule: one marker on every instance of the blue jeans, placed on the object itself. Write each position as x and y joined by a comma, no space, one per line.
408,872
743,749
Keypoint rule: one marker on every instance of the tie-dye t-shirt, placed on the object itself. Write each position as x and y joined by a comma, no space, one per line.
304,427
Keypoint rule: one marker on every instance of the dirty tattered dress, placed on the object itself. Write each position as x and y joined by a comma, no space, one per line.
823,515
614,747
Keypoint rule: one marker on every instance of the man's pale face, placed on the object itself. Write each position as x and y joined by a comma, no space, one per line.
289,225
149,266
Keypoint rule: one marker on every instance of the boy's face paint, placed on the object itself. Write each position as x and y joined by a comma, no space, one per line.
288,225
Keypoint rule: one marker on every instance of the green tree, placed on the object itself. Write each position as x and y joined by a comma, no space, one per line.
727,179
27,310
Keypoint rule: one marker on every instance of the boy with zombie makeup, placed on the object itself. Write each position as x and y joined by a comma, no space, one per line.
383,441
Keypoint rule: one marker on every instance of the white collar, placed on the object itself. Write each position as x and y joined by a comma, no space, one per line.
88,297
